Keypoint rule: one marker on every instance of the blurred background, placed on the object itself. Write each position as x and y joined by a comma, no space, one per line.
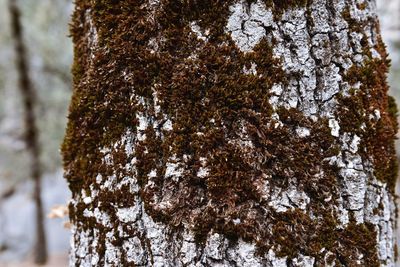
49,57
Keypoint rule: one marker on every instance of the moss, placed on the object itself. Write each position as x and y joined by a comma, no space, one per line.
360,238
362,105
361,6
357,115
393,111
353,24
281,6
293,235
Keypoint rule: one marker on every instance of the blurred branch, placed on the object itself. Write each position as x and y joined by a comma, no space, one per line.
57,72
31,133
8,193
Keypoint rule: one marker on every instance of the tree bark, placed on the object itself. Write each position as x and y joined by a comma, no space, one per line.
31,133
230,133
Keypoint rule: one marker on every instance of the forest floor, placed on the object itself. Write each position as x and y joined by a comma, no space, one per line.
59,260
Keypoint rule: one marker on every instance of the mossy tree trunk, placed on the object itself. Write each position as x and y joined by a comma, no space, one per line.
230,133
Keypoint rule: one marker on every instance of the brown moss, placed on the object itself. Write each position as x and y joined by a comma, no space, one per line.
358,115
281,6
295,232
361,6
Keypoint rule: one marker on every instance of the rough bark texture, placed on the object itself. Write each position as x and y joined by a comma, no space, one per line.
31,133
230,133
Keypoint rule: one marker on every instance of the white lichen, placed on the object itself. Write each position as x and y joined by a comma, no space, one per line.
291,198
247,24
335,128
199,33
302,132
250,71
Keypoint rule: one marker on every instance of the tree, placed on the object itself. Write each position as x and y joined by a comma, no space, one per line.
230,133
31,133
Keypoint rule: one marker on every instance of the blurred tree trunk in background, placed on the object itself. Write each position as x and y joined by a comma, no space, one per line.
31,137
230,133
388,11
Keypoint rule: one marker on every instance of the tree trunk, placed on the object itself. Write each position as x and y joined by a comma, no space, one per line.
230,133
31,133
